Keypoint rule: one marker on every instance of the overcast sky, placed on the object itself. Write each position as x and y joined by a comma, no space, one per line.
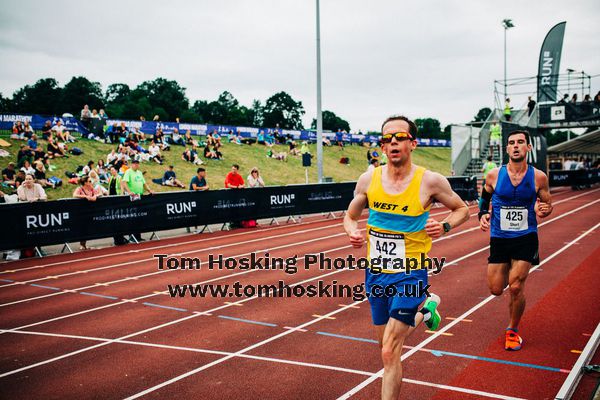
421,58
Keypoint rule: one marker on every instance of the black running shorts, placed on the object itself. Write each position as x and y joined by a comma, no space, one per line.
520,248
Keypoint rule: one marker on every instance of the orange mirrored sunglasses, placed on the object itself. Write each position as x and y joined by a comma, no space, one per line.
387,138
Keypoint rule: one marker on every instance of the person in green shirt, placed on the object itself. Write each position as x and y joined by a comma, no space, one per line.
487,167
133,181
507,110
495,137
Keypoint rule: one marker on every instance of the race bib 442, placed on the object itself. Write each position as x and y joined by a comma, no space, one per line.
387,247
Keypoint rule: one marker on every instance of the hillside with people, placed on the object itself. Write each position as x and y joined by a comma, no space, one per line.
278,164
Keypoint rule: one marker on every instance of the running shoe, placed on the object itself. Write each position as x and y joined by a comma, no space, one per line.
432,304
513,340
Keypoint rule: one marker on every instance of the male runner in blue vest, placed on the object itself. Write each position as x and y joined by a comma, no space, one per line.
514,190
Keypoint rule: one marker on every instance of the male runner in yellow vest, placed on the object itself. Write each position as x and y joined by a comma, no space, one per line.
399,196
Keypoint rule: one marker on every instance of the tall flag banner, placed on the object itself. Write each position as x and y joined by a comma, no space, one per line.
549,64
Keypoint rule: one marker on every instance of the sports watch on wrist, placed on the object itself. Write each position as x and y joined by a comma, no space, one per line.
446,226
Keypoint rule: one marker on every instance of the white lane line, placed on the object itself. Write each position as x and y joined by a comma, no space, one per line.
477,306
323,317
266,359
156,293
76,260
194,251
244,300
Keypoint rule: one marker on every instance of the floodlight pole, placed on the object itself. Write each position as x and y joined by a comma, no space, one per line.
505,29
507,24
319,113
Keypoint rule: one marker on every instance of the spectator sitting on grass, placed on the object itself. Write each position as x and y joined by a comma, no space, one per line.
34,145
61,133
102,114
159,139
276,155
170,178
87,168
27,168
40,174
9,174
294,150
254,179
210,141
31,191
18,132
154,152
112,133
176,138
53,150
47,130
234,180
28,129
198,182
112,157
123,131
102,171
213,153
24,153
190,155
20,178
217,139
86,190
260,139
189,140
138,135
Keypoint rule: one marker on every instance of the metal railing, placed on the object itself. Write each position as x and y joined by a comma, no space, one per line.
463,159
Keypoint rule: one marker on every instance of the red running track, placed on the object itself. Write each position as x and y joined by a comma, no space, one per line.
99,324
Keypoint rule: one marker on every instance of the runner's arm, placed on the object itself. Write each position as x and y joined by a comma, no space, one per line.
543,207
442,192
486,196
355,209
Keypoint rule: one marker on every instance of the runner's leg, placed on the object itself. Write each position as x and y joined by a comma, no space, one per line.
516,280
497,277
393,339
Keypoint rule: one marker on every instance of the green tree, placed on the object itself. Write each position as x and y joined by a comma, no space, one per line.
41,98
429,128
165,96
255,114
78,92
200,108
281,109
4,104
331,122
481,116
117,93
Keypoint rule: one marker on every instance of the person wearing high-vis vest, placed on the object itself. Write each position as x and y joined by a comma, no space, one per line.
519,193
507,110
399,196
495,137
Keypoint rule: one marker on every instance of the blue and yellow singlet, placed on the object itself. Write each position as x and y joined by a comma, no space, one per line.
396,224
